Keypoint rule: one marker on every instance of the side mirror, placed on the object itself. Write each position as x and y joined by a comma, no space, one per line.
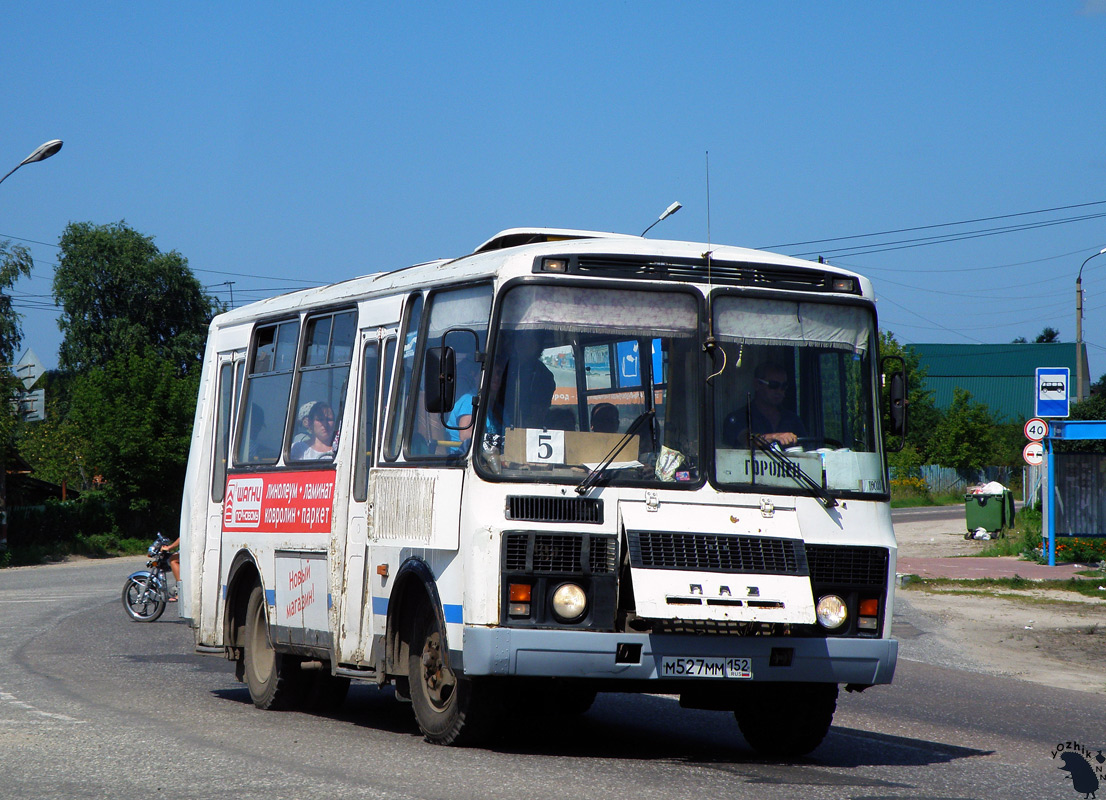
440,379
894,370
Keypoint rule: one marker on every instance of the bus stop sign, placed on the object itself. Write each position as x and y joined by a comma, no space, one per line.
1052,391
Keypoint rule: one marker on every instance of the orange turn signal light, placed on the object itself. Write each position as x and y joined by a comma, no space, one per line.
519,592
869,607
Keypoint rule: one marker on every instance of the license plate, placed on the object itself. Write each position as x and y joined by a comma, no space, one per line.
732,667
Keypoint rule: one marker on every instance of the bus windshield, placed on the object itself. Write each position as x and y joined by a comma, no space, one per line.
800,380
573,369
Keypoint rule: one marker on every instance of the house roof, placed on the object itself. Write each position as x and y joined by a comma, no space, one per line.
1003,376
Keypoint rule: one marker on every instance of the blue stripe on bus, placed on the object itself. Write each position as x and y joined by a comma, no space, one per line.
453,613
270,596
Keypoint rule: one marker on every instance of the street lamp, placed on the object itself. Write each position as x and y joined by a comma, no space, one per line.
1079,326
41,153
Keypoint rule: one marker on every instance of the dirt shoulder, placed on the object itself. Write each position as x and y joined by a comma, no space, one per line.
1051,637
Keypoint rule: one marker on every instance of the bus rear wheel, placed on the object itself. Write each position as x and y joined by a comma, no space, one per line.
785,720
274,679
450,709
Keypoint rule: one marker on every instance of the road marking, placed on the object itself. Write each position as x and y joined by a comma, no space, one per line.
11,701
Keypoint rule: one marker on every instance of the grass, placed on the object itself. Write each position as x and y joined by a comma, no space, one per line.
908,498
996,586
103,545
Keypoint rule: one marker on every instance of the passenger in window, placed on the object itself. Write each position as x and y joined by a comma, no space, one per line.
561,419
604,418
522,386
771,421
459,419
320,427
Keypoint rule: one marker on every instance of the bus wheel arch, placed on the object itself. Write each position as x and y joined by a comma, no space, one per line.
415,594
241,578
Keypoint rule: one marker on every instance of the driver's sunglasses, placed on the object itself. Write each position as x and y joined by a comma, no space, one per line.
774,385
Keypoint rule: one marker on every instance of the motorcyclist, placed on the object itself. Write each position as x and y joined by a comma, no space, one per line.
174,564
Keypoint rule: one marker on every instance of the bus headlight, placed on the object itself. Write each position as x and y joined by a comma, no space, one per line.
569,602
831,611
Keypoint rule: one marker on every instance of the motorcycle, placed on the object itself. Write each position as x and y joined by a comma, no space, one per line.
146,592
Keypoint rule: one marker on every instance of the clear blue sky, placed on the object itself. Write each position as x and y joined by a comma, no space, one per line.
284,145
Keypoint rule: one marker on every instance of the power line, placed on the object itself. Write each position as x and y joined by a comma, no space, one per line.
938,225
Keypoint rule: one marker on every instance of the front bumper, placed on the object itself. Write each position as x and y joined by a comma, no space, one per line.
637,656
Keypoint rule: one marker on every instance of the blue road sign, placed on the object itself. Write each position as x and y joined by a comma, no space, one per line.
1052,391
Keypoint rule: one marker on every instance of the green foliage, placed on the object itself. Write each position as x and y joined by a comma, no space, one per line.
907,463
119,294
54,447
15,263
965,438
922,412
1094,407
136,414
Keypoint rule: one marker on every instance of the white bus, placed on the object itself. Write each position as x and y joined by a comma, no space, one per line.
568,463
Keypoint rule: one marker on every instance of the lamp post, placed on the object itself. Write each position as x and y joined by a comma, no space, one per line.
1079,326
40,153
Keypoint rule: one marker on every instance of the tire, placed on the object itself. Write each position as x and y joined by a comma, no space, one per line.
785,720
274,679
142,598
450,709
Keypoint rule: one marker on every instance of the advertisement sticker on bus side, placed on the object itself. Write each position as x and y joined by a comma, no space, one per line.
280,502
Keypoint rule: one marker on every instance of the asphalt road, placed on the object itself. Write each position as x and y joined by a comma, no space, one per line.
93,705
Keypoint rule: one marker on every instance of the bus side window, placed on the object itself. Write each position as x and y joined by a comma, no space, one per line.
268,385
223,412
322,380
363,452
403,378
468,308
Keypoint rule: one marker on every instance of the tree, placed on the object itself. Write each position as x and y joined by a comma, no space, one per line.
965,438
1047,336
15,263
119,294
922,412
136,414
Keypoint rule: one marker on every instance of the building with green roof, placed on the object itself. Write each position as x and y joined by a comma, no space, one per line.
1003,376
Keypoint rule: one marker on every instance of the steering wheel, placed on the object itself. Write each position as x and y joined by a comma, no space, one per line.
814,442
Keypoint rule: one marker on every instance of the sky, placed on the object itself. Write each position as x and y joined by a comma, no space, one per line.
284,145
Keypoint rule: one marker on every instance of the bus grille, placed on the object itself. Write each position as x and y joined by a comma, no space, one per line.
721,273
853,566
555,509
558,553
708,552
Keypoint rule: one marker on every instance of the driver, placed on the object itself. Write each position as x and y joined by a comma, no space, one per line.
770,419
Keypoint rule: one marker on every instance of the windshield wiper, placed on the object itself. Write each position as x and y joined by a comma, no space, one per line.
593,477
794,470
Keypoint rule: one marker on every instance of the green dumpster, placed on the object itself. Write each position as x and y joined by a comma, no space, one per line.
992,512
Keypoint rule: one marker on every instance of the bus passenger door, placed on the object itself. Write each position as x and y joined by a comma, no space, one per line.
355,635
227,394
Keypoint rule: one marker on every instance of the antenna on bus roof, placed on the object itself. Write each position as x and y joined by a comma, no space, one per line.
668,212
711,343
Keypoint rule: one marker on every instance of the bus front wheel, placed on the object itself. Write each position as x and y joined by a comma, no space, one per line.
784,720
450,709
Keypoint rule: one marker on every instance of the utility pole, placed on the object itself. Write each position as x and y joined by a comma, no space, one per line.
1079,378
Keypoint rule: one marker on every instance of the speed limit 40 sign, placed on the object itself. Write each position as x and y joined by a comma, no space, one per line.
1036,429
